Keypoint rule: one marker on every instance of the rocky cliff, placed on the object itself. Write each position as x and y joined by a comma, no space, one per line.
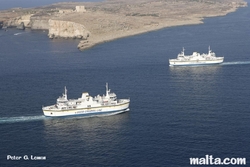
23,21
112,19
67,29
39,24
40,21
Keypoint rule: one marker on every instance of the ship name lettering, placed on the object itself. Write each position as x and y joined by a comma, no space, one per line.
88,111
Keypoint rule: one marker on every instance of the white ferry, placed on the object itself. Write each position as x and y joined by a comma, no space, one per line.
196,59
87,105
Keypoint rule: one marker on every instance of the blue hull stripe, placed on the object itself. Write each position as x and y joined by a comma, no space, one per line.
92,114
207,64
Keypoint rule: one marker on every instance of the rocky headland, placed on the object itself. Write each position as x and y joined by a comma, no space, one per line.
96,22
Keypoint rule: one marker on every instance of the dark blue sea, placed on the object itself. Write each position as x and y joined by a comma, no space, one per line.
175,113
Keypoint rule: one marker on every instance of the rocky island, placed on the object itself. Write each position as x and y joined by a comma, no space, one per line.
97,22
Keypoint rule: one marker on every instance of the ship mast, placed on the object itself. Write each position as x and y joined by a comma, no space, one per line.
107,90
65,93
209,50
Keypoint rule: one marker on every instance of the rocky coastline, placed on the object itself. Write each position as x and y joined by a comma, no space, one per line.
97,22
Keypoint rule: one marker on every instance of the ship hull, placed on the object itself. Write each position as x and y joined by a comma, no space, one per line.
95,111
194,62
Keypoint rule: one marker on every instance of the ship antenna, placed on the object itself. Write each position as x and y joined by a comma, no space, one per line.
183,51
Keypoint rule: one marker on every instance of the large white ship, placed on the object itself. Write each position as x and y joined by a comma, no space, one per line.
196,59
87,105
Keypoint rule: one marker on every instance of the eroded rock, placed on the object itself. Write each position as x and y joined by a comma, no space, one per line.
67,29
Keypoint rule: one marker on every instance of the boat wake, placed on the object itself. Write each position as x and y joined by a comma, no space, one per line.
236,63
4,120
19,33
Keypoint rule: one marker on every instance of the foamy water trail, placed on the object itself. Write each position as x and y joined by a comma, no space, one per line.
4,120
236,63
19,33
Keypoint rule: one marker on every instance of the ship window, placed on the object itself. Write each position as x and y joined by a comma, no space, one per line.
88,105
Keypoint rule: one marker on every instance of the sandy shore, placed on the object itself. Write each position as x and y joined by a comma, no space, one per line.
114,19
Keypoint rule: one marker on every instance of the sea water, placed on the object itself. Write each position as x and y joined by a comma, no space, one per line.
175,112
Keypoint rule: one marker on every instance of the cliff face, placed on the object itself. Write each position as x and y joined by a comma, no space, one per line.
17,21
39,24
67,29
